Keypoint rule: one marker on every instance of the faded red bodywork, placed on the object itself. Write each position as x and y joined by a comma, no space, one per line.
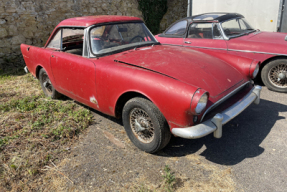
167,75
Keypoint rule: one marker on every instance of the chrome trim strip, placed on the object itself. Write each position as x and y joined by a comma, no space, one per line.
206,47
215,124
247,51
223,99
194,46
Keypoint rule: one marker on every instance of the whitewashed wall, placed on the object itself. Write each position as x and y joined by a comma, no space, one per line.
261,14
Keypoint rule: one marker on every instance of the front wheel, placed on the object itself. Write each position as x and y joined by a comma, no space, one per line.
274,75
145,125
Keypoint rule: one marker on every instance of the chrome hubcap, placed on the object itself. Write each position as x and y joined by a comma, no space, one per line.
278,75
141,125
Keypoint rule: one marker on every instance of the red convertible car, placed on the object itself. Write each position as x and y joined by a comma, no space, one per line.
230,33
115,65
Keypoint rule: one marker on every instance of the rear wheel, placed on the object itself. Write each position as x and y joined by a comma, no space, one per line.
274,75
145,125
47,86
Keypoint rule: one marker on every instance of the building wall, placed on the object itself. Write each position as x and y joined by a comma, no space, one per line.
32,21
177,9
261,14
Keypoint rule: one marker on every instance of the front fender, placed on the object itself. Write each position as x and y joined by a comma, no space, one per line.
172,97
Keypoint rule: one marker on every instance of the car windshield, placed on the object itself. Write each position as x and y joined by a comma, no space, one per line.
115,37
236,27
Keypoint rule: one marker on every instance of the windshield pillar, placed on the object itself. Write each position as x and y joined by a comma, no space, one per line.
222,31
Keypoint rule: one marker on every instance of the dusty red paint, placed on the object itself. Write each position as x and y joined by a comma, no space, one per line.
260,46
167,75
93,20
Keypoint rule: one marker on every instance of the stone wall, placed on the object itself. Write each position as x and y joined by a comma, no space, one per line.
177,9
32,21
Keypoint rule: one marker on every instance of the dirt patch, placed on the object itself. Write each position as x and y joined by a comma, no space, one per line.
98,164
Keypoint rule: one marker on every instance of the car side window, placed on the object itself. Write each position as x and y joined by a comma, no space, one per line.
177,29
56,40
216,32
200,31
73,40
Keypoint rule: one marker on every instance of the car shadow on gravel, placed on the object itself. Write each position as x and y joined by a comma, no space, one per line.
241,137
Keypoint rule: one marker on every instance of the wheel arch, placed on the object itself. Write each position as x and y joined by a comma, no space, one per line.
271,59
38,68
121,101
265,62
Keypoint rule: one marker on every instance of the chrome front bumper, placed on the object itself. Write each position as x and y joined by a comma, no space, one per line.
215,124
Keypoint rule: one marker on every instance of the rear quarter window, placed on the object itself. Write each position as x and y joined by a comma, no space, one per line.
56,40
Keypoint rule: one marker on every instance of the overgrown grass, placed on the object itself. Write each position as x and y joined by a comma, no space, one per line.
167,184
34,131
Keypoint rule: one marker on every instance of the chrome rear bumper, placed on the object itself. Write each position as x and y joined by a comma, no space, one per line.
26,69
215,124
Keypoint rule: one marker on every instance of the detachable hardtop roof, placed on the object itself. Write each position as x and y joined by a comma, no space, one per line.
213,17
93,20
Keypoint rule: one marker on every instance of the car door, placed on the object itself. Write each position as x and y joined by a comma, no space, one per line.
75,75
205,36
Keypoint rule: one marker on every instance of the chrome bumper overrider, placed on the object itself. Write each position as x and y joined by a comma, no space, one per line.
215,124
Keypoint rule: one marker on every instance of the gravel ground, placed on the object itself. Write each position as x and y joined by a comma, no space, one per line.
251,156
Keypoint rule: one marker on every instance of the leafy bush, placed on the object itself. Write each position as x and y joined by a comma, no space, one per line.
153,12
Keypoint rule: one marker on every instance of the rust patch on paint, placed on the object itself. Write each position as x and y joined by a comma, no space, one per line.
93,100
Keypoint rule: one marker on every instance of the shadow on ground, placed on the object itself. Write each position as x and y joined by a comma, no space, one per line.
241,137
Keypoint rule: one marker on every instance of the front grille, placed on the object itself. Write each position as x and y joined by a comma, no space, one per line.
227,102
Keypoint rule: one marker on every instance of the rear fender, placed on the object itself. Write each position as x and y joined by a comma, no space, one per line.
35,57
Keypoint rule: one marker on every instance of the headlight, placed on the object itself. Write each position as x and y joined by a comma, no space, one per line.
255,72
201,103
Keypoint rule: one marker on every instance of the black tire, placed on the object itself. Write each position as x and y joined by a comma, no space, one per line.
47,86
152,121
269,80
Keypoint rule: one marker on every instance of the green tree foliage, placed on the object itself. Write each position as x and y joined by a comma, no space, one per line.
153,12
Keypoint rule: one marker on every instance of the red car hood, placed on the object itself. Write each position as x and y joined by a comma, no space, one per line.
186,65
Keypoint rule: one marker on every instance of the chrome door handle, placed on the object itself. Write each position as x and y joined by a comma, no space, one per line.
187,42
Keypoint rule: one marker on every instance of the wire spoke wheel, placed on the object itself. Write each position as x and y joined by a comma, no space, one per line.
47,86
277,75
141,125
145,125
47,83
